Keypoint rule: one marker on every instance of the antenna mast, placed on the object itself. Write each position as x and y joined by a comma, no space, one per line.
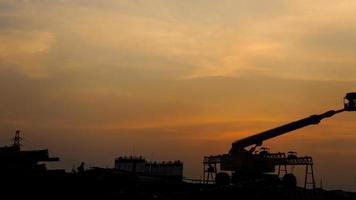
17,139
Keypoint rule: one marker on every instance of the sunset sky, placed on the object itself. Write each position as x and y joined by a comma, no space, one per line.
172,79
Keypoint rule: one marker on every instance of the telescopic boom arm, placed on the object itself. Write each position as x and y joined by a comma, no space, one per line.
257,140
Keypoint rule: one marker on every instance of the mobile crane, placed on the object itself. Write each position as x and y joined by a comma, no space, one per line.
248,163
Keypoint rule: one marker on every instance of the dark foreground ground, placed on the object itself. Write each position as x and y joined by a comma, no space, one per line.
101,184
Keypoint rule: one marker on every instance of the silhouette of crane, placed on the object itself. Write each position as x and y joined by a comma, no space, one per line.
248,164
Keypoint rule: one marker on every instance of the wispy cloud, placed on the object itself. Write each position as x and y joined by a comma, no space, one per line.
291,40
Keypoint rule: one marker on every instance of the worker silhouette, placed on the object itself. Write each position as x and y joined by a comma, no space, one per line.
80,169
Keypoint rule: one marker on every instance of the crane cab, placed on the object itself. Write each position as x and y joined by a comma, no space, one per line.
350,101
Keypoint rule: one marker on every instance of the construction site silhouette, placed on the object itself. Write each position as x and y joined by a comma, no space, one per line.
247,171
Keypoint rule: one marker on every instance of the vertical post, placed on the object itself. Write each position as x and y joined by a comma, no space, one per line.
203,171
17,139
306,176
312,174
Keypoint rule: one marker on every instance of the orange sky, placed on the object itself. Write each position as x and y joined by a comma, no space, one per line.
172,79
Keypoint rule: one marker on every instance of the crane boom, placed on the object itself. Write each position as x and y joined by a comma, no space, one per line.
260,137
257,140
249,164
